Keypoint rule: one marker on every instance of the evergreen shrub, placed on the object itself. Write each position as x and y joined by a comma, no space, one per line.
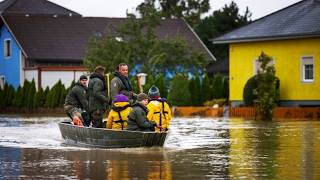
179,94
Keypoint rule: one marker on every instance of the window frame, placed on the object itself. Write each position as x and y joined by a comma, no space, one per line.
256,63
7,48
303,71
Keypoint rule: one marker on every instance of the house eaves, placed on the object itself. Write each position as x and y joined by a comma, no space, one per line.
299,20
269,38
11,32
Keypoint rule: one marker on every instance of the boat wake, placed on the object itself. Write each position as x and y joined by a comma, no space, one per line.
40,133
192,133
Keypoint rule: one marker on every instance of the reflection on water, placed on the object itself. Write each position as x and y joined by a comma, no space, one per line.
196,148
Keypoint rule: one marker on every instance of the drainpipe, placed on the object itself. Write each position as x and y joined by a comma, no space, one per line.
39,77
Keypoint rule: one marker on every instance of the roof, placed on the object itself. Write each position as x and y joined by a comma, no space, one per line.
46,38
221,66
301,19
33,7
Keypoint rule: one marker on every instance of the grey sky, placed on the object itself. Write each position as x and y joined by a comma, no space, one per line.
117,8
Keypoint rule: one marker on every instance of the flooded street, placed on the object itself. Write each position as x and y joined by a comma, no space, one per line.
196,148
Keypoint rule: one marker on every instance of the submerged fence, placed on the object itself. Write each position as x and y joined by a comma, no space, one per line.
249,112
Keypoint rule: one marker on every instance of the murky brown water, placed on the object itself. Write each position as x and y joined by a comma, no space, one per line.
32,148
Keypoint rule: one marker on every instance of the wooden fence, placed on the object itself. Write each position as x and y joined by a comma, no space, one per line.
206,111
279,112
249,112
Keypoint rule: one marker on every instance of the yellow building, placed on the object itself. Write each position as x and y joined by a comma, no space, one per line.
291,36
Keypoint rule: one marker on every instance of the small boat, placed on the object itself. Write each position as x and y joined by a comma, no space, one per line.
108,138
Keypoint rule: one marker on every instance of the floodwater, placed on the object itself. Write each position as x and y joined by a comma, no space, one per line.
196,148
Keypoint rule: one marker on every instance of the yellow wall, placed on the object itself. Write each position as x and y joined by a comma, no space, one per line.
287,57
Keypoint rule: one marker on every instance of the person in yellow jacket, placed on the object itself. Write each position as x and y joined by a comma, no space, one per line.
118,116
159,110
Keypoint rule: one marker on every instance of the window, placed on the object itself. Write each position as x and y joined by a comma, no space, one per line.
7,48
2,82
257,66
307,69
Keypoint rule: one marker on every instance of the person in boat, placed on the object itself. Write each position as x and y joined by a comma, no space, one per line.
118,116
159,110
138,120
98,100
76,103
121,84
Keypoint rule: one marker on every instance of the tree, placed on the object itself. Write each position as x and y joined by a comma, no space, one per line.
149,82
220,22
161,84
266,91
18,98
206,88
31,95
217,86
225,87
55,97
38,98
191,10
248,92
195,91
8,94
135,43
179,94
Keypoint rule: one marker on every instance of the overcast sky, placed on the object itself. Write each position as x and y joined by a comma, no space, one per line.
117,8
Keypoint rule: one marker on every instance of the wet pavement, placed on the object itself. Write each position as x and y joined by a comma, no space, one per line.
196,148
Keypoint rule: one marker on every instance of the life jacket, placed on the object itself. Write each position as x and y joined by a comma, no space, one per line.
120,120
164,117
118,115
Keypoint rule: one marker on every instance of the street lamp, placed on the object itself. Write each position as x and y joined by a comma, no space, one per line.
141,80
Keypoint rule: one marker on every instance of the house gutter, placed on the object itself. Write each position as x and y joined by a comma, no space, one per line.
274,38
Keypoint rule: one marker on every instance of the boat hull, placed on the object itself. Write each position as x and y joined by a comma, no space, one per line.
108,138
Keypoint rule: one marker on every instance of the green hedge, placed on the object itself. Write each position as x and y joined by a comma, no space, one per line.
27,97
180,91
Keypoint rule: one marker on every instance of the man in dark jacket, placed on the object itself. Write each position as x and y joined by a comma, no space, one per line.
76,103
138,120
120,84
97,97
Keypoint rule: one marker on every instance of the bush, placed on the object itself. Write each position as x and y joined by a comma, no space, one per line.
7,95
179,94
30,95
195,91
161,84
225,87
217,86
18,98
266,91
248,92
55,97
206,88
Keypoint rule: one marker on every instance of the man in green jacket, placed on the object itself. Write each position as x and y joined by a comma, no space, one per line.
98,99
138,120
120,84
76,103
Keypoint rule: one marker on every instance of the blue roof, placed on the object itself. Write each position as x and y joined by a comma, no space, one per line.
299,20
